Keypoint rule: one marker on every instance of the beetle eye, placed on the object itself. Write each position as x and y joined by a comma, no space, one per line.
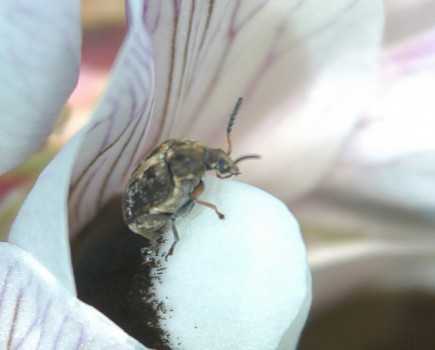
222,167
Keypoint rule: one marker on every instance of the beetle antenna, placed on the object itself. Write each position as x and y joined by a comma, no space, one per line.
231,122
248,156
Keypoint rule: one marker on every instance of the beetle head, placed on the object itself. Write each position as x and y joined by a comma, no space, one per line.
220,161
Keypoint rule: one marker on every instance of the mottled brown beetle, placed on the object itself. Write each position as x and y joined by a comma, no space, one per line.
167,183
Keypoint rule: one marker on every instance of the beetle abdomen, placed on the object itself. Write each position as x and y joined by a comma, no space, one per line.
149,189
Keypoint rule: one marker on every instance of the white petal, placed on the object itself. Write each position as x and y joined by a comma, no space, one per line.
41,226
236,283
36,312
40,57
120,126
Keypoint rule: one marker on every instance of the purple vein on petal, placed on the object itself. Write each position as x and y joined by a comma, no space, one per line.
125,137
80,338
35,320
186,82
232,32
152,27
60,331
115,162
110,117
168,82
273,55
234,29
171,65
132,71
14,318
207,25
115,129
197,35
324,26
183,79
5,283
42,323
85,183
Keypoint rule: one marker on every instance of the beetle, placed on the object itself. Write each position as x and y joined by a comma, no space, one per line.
166,184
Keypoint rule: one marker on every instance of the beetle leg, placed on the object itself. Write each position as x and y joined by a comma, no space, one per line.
210,205
197,191
176,237
153,237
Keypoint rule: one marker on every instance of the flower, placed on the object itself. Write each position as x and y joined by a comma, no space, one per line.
181,67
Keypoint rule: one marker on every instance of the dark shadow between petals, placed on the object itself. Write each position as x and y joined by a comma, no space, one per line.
111,274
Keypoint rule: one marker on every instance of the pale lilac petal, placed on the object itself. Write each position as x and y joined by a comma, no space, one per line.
391,155
41,226
407,182
36,312
335,74
407,19
39,62
371,221
121,126
303,67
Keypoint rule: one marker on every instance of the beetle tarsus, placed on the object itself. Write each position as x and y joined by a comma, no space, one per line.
210,205
176,238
